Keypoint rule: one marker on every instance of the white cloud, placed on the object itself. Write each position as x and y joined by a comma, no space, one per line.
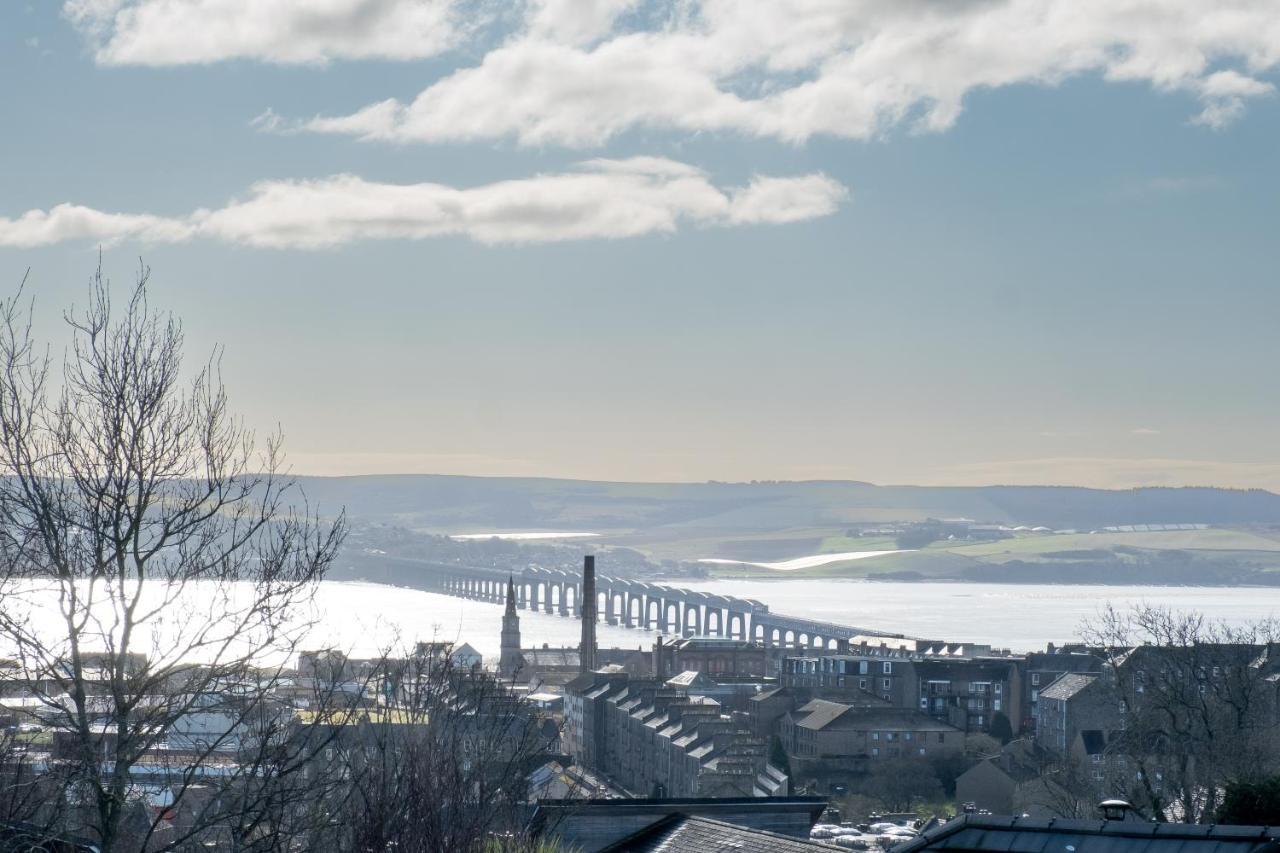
601,199
72,222
577,73
181,32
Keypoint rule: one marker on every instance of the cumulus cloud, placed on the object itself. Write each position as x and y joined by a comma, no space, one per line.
578,74
600,199
181,32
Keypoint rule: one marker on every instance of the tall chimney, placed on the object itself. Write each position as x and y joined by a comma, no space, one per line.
587,651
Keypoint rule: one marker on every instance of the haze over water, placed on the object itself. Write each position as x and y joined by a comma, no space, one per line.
365,619
1017,616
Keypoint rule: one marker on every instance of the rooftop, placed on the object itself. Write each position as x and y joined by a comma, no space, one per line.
681,833
980,833
1067,685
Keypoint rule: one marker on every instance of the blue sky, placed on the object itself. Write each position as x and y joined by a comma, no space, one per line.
898,254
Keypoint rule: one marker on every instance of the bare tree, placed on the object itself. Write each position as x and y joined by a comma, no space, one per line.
155,572
441,762
1195,706
902,784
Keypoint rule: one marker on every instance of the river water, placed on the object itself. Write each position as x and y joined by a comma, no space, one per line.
364,619
1016,616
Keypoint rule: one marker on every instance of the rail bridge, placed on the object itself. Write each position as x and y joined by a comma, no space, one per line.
651,606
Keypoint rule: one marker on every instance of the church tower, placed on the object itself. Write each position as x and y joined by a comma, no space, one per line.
510,661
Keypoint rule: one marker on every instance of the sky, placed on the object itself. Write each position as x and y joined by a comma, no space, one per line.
901,241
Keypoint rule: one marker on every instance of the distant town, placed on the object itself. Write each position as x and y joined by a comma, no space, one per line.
883,735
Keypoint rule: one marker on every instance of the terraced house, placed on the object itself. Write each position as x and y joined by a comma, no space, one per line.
656,740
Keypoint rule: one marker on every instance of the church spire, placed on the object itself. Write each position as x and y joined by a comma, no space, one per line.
511,661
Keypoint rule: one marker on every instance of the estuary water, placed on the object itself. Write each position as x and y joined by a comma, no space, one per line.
1021,617
364,618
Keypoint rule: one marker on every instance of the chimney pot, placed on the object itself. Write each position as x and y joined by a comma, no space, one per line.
1114,809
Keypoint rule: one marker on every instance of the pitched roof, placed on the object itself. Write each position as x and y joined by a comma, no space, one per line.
688,678
820,713
1067,685
981,833
681,833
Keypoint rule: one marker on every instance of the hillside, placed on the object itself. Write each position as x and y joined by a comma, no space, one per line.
456,504
668,527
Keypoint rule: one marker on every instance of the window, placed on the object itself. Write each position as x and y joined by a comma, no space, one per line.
981,721
875,750
1035,679
1035,694
890,736
999,688
888,668
862,667
906,735
887,682
862,684
995,705
875,736
942,737
922,750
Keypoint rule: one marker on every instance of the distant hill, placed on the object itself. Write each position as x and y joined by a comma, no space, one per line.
462,504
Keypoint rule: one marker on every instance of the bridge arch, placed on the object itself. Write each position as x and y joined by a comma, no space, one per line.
692,619
671,616
715,616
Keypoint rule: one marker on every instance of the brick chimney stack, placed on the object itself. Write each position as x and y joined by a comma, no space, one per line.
587,651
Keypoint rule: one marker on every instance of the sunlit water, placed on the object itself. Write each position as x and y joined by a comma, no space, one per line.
1016,616
796,563
365,619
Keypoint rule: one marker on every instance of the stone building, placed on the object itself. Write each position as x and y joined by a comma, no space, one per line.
963,686
858,737
1073,703
656,740
716,656
1043,668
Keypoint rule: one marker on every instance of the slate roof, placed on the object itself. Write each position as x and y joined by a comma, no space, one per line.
766,693
688,678
1068,685
821,714
686,834
981,833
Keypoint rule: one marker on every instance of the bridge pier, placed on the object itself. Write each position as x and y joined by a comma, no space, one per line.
668,610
